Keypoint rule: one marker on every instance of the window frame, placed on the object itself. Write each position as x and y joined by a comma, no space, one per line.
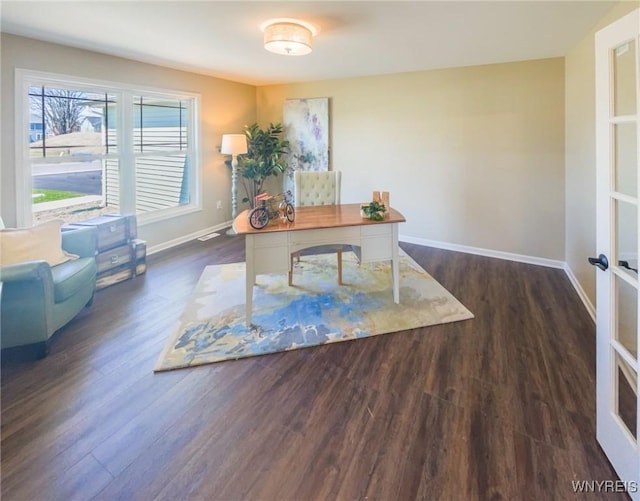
126,155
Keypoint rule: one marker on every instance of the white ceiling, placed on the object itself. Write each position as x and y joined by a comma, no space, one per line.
356,38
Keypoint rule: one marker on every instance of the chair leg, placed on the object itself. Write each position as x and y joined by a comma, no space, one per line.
297,255
291,270
338,253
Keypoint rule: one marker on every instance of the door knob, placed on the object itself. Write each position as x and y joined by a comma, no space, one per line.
625,264
601,261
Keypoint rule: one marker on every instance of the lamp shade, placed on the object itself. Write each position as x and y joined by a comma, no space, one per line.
289,37
233,144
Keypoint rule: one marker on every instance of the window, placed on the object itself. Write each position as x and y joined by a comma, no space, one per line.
160,143
95,148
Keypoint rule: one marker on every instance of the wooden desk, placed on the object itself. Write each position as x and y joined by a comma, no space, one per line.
268,250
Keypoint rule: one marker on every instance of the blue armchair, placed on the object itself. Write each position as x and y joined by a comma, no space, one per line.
37,299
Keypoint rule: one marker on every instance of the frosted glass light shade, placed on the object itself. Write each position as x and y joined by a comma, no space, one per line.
288,37
233,144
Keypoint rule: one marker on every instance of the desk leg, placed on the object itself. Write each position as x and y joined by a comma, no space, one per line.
250,278
395,275
395,268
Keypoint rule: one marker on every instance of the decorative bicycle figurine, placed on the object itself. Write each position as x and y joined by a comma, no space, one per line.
271,207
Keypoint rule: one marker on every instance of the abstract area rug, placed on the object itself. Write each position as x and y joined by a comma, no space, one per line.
315,311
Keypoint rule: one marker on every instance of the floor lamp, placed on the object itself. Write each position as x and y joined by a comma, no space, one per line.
234,145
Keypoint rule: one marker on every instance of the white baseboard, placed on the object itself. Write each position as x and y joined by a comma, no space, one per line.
581,293
521,258
186,238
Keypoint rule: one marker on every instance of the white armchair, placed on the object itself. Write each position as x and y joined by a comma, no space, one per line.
317,188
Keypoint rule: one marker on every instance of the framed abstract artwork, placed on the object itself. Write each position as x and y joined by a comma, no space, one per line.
306,127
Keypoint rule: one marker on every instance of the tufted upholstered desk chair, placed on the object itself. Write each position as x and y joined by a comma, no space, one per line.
317,188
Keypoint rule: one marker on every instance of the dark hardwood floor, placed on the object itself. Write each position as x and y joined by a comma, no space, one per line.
498,407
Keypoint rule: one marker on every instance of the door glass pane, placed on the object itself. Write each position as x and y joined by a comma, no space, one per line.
627,237
627,316
626,158
624,77
626,400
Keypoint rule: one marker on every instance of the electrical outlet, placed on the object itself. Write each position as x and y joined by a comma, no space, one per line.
219,205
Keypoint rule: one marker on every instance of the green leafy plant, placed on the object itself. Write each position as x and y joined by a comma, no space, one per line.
264,158
374,210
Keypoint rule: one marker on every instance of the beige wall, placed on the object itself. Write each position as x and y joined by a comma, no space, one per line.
472,156
580,168
225,107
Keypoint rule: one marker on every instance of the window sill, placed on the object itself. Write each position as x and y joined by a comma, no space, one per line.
164,215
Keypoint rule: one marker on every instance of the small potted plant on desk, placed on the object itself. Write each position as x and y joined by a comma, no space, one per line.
373,210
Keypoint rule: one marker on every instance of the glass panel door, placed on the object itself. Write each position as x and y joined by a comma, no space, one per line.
617,118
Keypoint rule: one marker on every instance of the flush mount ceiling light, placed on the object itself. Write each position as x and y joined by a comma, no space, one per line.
290,37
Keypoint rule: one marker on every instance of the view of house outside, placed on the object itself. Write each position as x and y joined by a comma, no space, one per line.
68,142
75,162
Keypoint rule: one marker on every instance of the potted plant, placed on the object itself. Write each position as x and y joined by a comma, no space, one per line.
264,158
373,210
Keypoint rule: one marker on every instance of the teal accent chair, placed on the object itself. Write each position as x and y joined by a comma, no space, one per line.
37,299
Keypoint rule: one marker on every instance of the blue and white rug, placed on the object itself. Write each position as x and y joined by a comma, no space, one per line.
315,311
